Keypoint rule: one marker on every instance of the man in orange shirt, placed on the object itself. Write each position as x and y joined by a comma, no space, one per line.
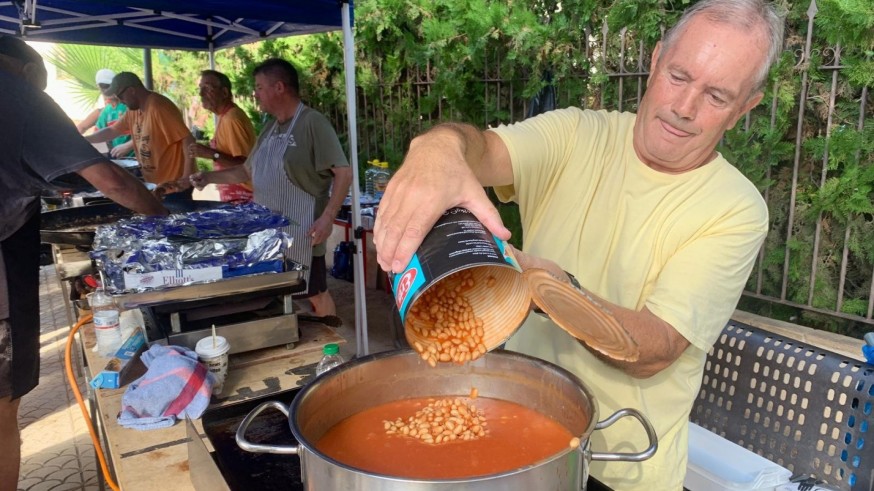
234,133
155,124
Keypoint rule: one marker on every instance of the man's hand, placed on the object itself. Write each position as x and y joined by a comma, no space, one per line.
528,261
445,168
120,186
122,150
171,187
321,229
200,150
199,180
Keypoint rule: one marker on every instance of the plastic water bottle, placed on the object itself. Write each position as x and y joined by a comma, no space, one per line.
381,178
107,328
330,358
370,178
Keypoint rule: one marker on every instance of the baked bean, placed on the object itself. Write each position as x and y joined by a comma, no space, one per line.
441,421
445,321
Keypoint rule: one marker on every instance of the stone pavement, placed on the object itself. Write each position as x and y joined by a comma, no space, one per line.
56,452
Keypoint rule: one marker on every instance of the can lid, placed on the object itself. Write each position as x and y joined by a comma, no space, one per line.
581,316
331,349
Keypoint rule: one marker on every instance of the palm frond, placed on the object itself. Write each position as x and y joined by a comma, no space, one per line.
78,63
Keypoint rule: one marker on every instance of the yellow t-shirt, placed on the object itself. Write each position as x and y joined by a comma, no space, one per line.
683,245
158,133
235,136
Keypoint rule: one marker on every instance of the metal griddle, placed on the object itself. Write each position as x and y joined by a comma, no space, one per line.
76,226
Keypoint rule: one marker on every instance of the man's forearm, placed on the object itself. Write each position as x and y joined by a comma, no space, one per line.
189,167
103,135
474,146
659,343
88,121
231,175
339,190
120,186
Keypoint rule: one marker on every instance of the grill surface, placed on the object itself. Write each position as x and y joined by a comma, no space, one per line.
245,471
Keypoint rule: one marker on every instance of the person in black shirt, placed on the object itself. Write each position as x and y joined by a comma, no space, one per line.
38,145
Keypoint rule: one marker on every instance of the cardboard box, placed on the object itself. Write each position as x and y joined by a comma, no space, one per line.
171,277
125,366
716,464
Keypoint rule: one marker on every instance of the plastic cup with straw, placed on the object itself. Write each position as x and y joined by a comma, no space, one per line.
213,352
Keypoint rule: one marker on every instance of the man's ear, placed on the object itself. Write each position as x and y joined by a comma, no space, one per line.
752,102
656,52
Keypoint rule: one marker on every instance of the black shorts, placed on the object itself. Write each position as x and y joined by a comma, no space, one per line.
5,359
318,282
21,257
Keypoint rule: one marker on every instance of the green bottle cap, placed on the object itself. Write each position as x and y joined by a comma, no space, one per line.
331,349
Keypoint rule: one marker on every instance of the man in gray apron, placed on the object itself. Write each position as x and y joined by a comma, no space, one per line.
297,168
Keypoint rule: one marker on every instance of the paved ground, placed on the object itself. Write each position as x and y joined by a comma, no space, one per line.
57,453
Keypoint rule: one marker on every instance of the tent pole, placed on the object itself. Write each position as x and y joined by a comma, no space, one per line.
147,69
211,45
215,116
349,69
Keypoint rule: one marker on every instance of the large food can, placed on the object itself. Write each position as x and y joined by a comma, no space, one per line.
458,243
461,266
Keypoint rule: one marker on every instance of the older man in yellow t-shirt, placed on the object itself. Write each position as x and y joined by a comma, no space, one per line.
640,209
157,129
234,133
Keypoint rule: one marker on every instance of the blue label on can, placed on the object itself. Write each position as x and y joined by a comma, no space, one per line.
405,285
502,247
457,241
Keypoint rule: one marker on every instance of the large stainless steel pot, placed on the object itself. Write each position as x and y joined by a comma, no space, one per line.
390,376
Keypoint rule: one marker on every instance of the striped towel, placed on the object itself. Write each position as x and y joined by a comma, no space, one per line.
174,386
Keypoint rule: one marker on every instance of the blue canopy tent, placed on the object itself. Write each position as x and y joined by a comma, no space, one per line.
203,25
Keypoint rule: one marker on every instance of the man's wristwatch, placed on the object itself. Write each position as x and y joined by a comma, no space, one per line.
216,156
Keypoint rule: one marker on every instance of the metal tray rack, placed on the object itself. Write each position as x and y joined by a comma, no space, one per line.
182,314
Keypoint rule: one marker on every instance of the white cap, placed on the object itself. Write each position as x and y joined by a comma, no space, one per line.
104,76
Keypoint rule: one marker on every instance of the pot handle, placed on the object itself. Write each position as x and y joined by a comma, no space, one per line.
259,447
628,457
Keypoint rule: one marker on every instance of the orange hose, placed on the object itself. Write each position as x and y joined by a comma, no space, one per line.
68,365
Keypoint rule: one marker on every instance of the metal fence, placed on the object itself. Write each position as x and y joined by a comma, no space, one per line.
612,75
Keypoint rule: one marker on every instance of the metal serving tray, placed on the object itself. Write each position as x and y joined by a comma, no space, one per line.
202,291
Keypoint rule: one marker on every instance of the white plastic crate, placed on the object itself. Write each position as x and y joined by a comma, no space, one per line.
717,464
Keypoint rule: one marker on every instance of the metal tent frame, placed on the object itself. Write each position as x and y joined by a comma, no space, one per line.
202,25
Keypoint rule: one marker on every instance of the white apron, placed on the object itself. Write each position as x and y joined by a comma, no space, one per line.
273,189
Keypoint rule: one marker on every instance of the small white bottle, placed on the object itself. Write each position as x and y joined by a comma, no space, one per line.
330,359
107,329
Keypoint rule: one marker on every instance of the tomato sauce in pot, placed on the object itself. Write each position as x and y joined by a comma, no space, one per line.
515,437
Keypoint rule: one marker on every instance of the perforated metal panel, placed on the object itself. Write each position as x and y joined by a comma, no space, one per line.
805,408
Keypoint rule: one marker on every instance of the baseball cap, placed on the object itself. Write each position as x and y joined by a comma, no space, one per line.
104,76
16,48
122,81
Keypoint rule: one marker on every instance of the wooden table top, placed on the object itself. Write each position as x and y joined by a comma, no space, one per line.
158,459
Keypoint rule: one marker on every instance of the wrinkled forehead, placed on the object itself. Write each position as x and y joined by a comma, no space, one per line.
209,81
